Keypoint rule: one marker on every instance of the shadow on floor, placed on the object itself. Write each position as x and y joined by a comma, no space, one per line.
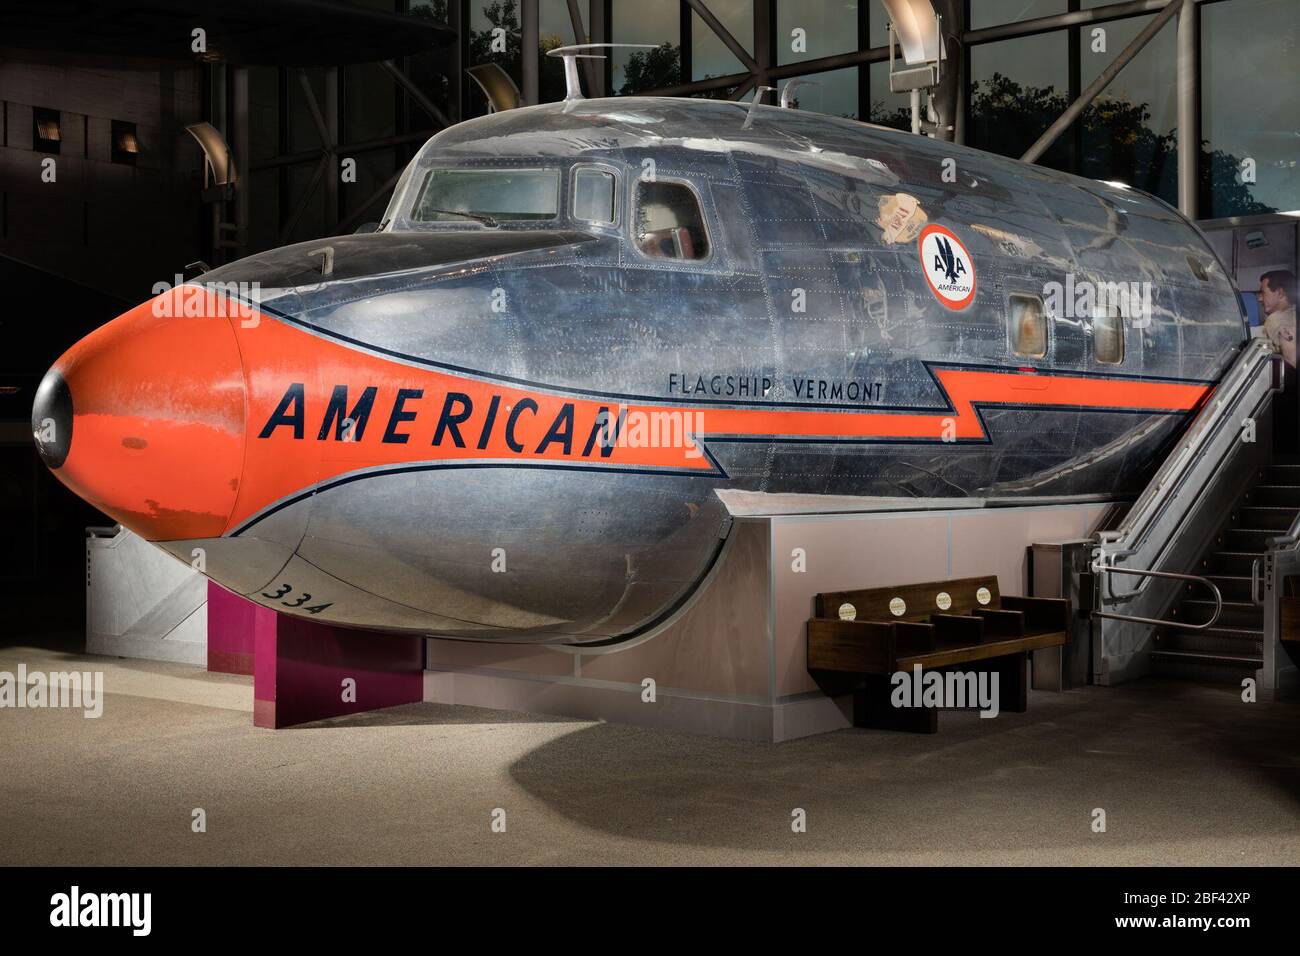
429,714
1165,759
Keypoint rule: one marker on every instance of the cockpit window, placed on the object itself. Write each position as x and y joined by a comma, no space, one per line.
496,194
593,195
669,224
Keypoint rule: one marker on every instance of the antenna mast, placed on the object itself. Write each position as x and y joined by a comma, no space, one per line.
571,55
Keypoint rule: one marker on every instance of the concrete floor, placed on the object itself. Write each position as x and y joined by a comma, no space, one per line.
1187,774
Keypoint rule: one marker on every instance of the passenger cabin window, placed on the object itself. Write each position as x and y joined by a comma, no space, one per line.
669,224
454,195
593,196
1108,337
1028,326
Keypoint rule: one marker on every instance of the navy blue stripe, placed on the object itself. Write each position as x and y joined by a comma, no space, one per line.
930,367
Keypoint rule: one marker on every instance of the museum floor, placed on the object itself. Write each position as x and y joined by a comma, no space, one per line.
1186,774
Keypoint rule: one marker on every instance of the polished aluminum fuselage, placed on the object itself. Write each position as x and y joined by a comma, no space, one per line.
805,297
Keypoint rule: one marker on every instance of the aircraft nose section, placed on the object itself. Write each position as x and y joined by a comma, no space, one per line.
144,419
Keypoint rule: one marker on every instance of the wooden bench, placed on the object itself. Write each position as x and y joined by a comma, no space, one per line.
874,633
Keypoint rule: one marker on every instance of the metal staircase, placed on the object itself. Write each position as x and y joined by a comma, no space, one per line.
1233,648
1177,583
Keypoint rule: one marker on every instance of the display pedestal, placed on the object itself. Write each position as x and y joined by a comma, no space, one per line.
733,661
304,670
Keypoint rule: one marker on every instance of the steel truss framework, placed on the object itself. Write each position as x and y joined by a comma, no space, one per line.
757,55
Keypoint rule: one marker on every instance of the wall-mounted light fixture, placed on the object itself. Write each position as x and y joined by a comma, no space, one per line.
219,176
126,145
46,132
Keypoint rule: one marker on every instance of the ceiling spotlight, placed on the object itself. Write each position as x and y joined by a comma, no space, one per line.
914,23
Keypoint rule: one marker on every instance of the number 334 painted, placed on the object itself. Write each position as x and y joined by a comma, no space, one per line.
286,589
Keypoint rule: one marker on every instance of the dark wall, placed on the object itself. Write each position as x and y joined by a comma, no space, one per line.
112,219
42,560
77,248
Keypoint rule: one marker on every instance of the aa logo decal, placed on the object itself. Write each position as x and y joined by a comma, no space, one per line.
948,267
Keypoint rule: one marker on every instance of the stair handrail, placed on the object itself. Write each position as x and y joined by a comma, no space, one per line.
1177,470
1287,540
1214,589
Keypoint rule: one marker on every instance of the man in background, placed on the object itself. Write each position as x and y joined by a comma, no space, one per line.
1277,302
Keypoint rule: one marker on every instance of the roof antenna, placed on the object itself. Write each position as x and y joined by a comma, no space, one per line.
758,98
786,98
571,55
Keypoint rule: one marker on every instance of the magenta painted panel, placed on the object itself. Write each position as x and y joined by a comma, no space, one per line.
300,668
231,621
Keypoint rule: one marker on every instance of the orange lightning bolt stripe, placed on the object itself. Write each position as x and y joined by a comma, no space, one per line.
425,416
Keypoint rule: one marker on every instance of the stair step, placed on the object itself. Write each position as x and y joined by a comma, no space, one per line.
1225,633
1246,539
1273,495
1264,516
1233,639
1278,474
1235,614
1233,588
1192,665
1235,563
1203,642
1203,657
1228,603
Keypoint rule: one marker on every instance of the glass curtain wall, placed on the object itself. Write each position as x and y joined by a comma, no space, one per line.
1248,95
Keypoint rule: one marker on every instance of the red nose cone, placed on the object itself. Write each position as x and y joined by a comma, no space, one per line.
144,419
